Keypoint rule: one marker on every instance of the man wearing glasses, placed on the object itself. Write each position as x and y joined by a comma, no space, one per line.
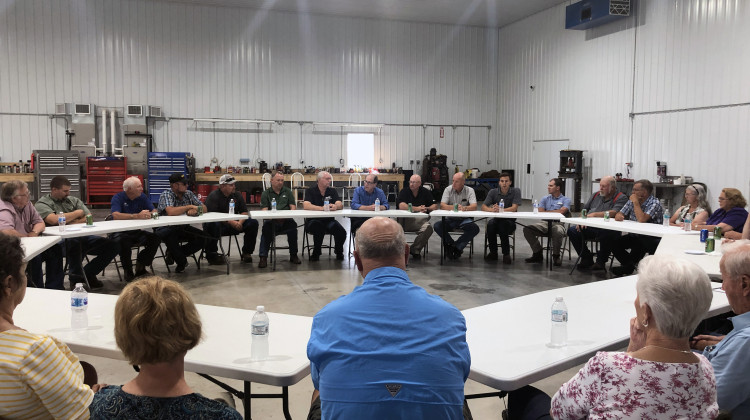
364,199
642,207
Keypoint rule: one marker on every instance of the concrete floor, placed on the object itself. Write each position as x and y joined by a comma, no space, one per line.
304,289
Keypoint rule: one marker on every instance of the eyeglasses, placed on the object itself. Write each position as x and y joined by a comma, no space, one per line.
723,199
22,195
369,183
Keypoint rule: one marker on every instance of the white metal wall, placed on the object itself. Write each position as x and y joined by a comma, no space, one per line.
221,62
680,54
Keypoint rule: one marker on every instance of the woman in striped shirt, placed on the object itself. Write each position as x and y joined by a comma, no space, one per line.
40,378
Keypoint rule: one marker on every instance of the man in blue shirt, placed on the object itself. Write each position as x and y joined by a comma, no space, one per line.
555,202
132,203
642,207
729,357
364,199
388,350
175,201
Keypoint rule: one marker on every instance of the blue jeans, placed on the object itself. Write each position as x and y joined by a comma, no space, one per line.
249,228
53,258
280,227
467,225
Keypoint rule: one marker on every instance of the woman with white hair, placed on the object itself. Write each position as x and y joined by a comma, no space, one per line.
658,376
696,207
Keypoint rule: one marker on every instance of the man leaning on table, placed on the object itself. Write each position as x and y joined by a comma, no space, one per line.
642,207
608,200
315,198
364,199
104,249
132,204
176,201
218,201
511,198
388,349
457,194
18,217
284,201
729,354
421,201
554,202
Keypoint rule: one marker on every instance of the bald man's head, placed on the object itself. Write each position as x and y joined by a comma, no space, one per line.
380,238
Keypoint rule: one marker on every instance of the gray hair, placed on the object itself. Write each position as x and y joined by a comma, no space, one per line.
611,180
321,174
375,248
677,291
130,183
736,258
701,192
11,188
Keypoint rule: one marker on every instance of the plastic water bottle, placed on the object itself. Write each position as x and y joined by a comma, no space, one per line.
231,206
559,332
377,204
79,303
536,206
501,206
260,321
61,221
326,205
273,205
687,224
666,219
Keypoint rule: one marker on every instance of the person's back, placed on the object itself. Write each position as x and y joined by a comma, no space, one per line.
114,403
389,350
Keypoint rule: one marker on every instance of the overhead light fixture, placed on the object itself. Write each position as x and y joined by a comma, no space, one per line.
365,125
224,120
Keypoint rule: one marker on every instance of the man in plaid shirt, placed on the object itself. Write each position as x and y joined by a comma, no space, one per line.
173,202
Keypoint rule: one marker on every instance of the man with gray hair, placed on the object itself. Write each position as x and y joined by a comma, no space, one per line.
729,355
606,200
132,203
18,217
388,349
315,198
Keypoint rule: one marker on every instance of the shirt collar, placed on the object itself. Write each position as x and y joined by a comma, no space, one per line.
741,321
386,274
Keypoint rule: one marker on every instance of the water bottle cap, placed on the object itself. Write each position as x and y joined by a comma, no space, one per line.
558,299
79,285
260,308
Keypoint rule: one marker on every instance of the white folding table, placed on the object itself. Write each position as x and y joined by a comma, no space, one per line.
225,350
508,339
691,248
35,246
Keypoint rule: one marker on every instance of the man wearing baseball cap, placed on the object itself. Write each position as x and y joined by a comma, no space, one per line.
176,201
218,201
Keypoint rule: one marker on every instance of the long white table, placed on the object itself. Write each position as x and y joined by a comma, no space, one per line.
35,246
677,245
548,217
224,351
628,226
508,339
113,226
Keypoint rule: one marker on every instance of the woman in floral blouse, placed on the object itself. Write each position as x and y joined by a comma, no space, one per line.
658,377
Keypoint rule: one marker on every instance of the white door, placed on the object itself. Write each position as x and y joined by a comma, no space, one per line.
545,164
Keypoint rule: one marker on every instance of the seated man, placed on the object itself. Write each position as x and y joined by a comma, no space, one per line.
457,193
729,357
511,198
421,201
218,201
642,208
409,361
364,199
284,202
175,201
608,200
18,217
132,203
59,200
554,202
315,198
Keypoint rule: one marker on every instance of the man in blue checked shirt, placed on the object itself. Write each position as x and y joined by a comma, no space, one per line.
555,202
175,201
364,199
642,207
